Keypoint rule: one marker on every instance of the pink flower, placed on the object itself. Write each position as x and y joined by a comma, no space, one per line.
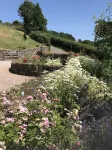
53,147
29,98
45,122
76,54
2,122
45,111
44,96
10,120
4,98
36,57
23,126
6,103
23,109
78,143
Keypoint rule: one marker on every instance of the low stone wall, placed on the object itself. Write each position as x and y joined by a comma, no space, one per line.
31,69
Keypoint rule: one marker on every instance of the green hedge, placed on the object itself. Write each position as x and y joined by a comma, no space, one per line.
40,37
70,45
66,44
61,35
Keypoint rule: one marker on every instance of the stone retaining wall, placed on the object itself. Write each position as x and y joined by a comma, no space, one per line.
31,69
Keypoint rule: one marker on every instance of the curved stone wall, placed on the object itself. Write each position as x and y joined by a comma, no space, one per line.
28,69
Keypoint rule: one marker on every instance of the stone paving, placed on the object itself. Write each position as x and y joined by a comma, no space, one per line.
7,79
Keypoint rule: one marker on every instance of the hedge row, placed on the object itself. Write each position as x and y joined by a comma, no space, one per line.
40,37
66,44
61,35
70,45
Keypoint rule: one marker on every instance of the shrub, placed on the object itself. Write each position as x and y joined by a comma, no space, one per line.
70,45
71,80
61,35
98,136
54,62
39,37
35,122
93,66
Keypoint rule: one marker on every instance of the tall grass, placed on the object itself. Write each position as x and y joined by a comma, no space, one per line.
13,39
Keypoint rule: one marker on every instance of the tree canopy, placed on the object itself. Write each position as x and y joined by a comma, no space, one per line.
103,40
33,18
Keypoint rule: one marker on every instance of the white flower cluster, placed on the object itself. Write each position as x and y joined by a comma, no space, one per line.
75,77
54,62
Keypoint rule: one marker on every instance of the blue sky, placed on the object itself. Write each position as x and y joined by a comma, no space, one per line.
69,16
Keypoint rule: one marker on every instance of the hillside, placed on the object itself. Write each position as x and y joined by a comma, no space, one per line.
12,39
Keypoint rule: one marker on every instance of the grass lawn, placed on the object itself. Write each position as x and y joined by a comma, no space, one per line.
13,39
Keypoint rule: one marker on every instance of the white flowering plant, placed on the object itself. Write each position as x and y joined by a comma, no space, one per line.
47,113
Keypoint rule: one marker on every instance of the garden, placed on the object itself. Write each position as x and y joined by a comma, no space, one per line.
58,110
68,106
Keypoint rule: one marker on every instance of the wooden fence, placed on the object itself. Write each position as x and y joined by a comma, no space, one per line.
15,54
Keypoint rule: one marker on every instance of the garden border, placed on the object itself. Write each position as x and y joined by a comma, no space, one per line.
29,69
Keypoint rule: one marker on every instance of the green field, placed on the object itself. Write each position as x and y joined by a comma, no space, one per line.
13,39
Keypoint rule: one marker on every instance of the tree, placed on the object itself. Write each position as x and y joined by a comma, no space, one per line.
17,23
103,35
79,40
33,18
0,21
26,13
39,21
103,41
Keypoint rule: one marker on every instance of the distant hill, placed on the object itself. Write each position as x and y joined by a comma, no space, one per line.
13,39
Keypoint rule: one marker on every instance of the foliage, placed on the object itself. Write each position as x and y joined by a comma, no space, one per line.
99,135
61,34
93,66
75,77
71,45
103,41
66,44
32,16
54,62
45,113
7,24
88,42
79,40
40,21
32,122
39,37
18,25
26,13
36,59
0,21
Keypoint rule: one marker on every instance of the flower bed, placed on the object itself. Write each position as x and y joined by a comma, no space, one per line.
35,65
31,118
57,111
30,69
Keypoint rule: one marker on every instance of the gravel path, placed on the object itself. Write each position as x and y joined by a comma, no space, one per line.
58,50
7,78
